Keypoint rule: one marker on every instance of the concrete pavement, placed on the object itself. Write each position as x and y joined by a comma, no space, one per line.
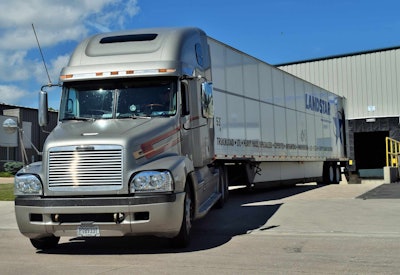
7,215
305,229
6,180
315,198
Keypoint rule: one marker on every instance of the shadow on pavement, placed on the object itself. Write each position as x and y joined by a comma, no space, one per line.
246,211
384,191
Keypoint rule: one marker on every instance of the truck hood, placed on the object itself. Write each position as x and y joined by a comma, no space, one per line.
141,140
126,132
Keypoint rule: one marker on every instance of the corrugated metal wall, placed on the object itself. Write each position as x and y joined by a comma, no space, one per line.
38,137
369,81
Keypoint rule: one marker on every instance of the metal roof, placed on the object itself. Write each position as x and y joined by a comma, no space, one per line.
338,56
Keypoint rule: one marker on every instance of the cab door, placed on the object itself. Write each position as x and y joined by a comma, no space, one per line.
197,133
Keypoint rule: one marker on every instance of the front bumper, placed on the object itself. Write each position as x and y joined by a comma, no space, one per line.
157,215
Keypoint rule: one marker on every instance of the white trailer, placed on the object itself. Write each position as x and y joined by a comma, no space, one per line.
275,127
145,143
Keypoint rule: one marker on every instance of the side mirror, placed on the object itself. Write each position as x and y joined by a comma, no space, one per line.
43,109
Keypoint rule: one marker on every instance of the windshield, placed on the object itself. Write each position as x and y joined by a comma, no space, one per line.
121,98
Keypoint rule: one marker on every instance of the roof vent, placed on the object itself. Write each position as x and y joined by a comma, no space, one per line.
128,38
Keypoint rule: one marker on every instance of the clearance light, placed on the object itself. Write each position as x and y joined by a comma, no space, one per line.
67,76
166,70
115,73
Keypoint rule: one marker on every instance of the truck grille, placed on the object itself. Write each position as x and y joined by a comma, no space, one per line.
75,168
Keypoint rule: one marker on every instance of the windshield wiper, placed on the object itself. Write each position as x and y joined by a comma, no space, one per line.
121,116
136,117
79,118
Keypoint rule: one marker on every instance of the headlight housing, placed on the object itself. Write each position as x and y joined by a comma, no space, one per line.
152,181
27,185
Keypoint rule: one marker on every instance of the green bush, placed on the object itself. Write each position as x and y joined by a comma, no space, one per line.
6,175
13,167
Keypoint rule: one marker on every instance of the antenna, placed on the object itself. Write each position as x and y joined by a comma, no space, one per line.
41,53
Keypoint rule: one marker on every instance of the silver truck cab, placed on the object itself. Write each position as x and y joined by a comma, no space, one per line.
133,151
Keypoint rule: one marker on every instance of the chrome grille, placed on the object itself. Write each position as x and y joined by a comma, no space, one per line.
99,167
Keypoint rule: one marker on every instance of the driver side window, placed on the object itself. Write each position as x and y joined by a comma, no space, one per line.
185,99
69,106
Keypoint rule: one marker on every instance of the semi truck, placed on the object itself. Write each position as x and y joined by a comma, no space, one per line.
153,127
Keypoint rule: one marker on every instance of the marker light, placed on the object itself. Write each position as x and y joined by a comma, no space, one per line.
67,76
115,73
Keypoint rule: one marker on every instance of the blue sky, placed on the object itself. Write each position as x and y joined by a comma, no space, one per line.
276,31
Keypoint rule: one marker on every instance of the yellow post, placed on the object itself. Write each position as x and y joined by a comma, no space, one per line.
392,152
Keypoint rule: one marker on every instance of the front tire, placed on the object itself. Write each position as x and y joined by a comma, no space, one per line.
182,240
46,242
223,187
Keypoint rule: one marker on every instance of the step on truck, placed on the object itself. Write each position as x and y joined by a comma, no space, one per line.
154,125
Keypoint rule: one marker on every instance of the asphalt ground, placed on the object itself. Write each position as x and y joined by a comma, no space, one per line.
384,191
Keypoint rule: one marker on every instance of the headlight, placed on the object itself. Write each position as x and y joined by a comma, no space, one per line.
27,185
152,181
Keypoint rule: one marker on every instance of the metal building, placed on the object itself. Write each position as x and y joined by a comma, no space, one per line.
29,136
370,83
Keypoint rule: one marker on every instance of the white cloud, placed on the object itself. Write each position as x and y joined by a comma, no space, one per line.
16,67
13,66
11,94
56,66
57,22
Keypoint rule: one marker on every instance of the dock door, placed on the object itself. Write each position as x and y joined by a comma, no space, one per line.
370,153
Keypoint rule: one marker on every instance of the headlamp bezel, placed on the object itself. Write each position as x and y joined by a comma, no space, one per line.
27,185
152,181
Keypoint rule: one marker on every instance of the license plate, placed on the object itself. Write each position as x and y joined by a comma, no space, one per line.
88,231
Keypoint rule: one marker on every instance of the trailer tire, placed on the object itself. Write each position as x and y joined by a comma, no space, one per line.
332,173
182,240
45,243
338,174
325,173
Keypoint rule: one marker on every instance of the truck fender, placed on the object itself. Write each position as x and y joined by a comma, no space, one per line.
34,168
